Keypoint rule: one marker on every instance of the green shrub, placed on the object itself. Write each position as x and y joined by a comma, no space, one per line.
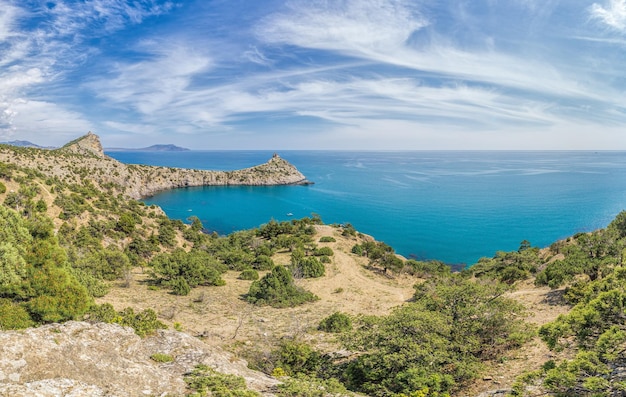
194,268
263,262
179,286
310,267
296,357
336,322
207,382
3,188
144,323
277,289
161,358
13,316
327,251
327,239
249,274
307,386
303,266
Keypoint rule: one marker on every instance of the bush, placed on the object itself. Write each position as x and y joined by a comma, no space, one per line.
298,358
336,322
179,286
161,358
311,267
3,188
263,262
144,323
327,239
306,386
194,268
327,251
249,274
277,289
13,316
208,382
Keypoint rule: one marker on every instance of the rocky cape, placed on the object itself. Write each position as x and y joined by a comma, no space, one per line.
85,157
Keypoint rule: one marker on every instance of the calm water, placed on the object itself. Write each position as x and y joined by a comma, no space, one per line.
452,206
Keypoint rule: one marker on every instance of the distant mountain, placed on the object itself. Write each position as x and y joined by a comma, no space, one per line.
153,148
26,144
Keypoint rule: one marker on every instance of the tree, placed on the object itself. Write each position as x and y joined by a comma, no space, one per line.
435,342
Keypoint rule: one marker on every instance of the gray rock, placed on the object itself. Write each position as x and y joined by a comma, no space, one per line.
83,359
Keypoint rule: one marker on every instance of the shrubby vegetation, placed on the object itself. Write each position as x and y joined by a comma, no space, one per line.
593,270
379,254
205,381
437,342
181,270
36,284
336,322
144,323
278,289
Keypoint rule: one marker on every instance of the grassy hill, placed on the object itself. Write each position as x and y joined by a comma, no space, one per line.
323,308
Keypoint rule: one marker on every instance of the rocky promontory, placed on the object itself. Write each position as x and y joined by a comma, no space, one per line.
85,158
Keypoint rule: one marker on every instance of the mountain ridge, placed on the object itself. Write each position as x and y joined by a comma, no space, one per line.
153,148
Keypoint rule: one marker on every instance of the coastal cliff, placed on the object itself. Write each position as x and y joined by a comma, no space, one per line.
85,157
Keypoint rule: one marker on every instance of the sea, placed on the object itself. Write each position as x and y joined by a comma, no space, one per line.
452,206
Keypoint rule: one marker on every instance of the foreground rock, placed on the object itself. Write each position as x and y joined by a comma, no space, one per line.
85,158
83,359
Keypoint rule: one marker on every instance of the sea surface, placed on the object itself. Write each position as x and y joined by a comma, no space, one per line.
454,206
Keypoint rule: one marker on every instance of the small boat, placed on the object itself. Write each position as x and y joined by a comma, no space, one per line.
289,214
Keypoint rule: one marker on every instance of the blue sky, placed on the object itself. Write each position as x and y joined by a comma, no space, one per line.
316,74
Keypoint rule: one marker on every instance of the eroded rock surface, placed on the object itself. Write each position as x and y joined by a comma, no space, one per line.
83,359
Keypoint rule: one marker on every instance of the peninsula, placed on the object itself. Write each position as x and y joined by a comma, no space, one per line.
85,157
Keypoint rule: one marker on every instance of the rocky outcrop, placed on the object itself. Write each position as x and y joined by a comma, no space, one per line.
88,145
83,359
84,158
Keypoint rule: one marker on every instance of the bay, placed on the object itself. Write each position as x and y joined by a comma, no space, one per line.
454,206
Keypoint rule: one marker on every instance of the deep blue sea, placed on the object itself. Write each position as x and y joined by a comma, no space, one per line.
455,206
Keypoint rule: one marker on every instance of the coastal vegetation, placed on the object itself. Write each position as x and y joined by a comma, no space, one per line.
67,239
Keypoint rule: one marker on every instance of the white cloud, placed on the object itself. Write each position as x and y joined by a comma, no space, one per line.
613,14
151,86
98,17
46,122
355,26
377,31
34,56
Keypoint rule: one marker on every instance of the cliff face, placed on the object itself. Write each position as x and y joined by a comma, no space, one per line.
82,359
88,145
85,158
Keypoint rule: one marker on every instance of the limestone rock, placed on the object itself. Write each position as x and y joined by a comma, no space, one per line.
87,145
83,359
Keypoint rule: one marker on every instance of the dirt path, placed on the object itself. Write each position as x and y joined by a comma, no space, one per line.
543,305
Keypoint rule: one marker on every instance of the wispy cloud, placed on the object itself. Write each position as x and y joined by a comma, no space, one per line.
150,86
613,14
34,55
314,69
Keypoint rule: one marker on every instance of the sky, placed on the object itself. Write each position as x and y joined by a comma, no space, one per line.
316,74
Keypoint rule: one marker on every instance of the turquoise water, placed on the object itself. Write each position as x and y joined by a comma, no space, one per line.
452,206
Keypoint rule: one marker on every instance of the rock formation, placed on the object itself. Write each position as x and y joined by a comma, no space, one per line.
83,359
85,157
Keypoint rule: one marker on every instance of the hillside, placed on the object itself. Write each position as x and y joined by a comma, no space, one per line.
101,295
